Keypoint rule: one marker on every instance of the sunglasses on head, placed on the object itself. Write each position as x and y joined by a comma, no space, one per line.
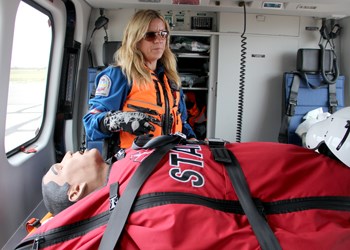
152,35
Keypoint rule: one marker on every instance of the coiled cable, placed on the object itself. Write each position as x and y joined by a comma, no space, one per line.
327,38
241,78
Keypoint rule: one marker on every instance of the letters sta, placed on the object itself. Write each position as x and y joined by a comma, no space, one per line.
180,158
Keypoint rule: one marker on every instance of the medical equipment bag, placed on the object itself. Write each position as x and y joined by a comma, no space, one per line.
303,92
196,198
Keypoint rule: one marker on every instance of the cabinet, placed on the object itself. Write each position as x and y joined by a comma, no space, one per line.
193,54
263,78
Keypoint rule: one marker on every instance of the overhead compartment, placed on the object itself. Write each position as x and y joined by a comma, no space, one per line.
260,24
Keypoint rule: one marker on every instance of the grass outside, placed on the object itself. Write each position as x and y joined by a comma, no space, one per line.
28,75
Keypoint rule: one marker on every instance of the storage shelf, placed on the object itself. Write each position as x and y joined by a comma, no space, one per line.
193,60
194,88
191,55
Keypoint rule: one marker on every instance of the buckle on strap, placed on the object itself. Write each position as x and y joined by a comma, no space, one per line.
333,103
32,223
291,108
216,142
293,102
220,153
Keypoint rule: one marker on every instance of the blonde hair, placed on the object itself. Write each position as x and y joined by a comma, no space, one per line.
131,60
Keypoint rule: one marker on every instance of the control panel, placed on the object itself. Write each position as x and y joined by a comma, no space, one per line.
187,20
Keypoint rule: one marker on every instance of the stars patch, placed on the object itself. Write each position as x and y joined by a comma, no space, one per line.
104,86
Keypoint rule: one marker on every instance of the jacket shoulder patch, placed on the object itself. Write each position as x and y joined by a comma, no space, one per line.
104,86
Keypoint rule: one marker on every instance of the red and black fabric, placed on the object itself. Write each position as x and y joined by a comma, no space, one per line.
189,202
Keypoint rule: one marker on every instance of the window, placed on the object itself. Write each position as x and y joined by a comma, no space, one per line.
28,77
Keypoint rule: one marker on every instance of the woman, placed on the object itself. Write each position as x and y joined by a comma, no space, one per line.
141,92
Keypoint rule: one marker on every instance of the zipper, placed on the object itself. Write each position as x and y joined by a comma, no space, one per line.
67,232
143,109
166,124
159,101
57,235
338,203
158,199
143,103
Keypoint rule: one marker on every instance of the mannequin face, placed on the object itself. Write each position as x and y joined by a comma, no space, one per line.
85,170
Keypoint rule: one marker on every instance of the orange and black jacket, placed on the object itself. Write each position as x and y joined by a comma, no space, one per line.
161,99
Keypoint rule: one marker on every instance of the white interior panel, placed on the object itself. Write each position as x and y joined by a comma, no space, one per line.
260,24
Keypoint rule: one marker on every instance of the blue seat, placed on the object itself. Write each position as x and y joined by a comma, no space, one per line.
109,47
299,100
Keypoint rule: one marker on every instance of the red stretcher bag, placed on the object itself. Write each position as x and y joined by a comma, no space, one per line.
189,202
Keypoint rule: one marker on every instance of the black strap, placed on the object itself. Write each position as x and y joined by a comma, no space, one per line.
290,109
293,95
332,98
261,228
121,212
293,101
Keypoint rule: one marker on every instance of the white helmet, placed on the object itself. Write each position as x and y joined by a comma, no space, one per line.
334,132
